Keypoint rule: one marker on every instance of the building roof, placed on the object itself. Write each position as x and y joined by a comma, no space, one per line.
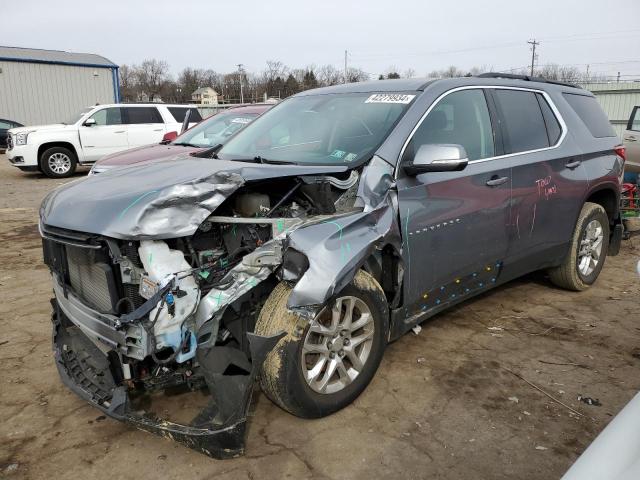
36,55
203,90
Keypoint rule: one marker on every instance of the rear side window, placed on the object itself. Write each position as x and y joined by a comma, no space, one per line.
554,130
523,124
143,115
591,114
634,121
179,112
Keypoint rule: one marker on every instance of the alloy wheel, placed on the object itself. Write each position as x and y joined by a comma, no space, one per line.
590,248
59,163
337,345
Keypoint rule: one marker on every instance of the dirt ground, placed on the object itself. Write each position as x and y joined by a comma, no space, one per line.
444,404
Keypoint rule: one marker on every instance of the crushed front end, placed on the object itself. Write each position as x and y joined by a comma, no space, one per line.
138,321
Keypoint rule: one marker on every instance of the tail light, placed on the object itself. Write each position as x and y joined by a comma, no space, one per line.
621,151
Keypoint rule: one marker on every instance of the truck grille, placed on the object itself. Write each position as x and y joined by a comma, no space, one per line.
91,279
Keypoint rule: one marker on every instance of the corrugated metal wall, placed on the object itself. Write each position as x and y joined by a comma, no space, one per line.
37,93
617,101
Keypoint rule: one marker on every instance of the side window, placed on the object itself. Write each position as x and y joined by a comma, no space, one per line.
108,116
554,130
178,114
5,124
461,118
523,125
634,121
138,115
591,114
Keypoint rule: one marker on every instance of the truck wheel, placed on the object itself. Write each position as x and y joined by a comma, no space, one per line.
326,367
589,247
58,162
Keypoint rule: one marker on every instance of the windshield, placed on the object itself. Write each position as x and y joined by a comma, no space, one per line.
320,129
77,116
215,130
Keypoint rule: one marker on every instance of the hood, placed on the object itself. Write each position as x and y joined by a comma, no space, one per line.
157,200
53,126
144,154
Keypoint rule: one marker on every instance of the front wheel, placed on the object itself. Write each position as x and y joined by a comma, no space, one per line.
58,162
332,361
589,246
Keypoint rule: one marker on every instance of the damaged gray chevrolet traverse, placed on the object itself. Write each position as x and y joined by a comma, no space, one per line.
327,228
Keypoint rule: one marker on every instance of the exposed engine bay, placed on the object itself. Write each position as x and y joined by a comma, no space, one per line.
178,312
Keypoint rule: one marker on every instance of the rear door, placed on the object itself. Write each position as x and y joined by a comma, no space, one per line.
145,125
455,224
108,135
631,139
549,180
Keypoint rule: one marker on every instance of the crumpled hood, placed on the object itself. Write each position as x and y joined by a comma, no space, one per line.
145,153
164,199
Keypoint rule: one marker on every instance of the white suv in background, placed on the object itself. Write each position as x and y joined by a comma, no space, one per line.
94,132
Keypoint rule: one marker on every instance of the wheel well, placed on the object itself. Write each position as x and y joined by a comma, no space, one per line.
48,145
608,200
385,265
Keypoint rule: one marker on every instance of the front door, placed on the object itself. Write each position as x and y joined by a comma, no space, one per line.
455,224
108,134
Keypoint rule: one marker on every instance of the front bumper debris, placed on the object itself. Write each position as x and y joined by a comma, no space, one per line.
217,431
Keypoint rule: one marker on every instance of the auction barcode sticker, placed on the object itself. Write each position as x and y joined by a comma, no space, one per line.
389,98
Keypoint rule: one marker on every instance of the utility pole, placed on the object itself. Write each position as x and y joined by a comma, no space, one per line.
345,66
240,69
533,44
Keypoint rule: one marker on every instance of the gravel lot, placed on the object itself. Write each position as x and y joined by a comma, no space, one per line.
446,403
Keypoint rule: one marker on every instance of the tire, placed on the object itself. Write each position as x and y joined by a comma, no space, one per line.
58,162
571,274
283,373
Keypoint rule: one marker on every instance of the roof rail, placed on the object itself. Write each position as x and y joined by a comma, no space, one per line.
527,78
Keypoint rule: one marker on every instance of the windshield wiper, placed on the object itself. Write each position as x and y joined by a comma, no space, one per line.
260,159
184,144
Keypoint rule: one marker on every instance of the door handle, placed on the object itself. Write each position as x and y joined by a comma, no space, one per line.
631,139
495,181
158,130
572,165
119,131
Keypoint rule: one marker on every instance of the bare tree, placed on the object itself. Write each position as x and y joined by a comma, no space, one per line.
329,75
152,76
409,73
128,83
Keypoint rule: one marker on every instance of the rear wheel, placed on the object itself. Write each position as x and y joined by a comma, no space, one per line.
326,367
588,251
58,162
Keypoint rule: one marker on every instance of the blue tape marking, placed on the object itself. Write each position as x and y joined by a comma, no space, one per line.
136,201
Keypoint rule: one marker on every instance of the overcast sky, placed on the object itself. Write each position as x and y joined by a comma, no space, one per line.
418,34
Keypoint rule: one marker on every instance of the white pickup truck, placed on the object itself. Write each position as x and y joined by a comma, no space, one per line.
56,150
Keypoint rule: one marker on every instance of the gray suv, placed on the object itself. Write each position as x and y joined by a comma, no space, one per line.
321,232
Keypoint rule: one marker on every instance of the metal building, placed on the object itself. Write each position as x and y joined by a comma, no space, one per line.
617,99
49,86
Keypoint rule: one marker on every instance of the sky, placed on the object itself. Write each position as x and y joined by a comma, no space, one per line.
419,34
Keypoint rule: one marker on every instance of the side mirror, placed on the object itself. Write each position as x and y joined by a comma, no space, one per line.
169,137
438,158
89,122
